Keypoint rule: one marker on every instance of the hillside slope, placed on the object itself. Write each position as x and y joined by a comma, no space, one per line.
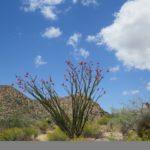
13,101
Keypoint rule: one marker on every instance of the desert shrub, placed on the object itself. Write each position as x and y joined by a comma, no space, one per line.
14,122
103,120
11,134
57,135
132,121
91,130
42,125
132,136
129,122
125,119
133,124
114,123
18,134
30,134
143,128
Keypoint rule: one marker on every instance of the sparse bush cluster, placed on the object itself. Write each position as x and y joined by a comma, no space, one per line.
18,134
103,120
133,122
57,135
91,130
42,125
15,121
143,127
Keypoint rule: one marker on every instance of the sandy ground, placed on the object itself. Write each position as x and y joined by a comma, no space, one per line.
42,137
107,136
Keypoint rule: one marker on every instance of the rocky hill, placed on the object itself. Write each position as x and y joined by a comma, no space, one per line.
13,102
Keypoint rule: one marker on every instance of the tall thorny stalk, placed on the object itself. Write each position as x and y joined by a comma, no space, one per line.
82,85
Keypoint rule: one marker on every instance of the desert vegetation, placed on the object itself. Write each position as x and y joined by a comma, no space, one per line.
76,121
120,125
82,85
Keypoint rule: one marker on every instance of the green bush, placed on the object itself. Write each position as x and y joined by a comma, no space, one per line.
18,134
143,128
114,125
128,116
57,135
103,120
30,134
91,130
14,122
124,120
42,125
132,136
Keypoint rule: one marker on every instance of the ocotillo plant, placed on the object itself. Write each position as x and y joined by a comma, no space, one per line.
82,85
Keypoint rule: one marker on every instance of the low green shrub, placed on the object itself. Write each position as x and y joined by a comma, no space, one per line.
57,135
143,129
42,125
91,130
103,120
30,134
18,134
132,136
114,124
14,122
124,120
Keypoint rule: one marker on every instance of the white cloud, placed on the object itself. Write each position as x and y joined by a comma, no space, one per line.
67,9
86,2
114,69
94,39
148,86
39,61
129,35
125,93
74,1
78,53
89,2
74,39
48,13
133,92
52,32
84,53
113,78
46,7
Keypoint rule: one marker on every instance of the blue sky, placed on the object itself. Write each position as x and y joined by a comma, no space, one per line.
38,36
